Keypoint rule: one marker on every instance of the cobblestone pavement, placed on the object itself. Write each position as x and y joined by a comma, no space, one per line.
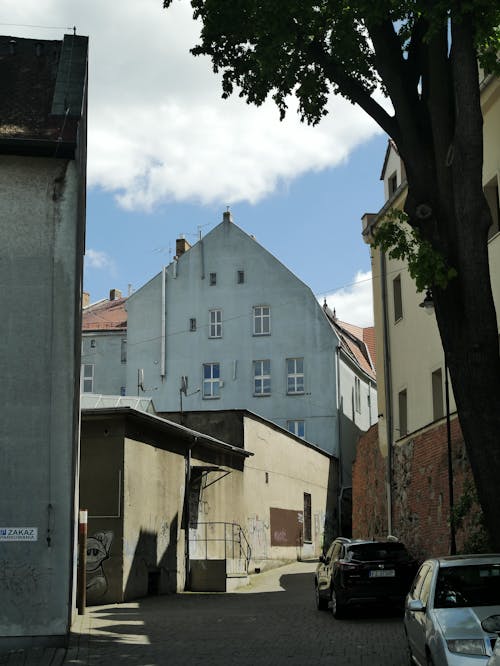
272,622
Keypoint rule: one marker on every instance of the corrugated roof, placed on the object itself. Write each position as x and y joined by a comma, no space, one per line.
105,315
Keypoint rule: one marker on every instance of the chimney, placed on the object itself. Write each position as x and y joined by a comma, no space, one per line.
85,299
226,216
181,246
115,294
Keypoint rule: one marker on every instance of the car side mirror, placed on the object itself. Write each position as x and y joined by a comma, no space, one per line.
324,559
415,606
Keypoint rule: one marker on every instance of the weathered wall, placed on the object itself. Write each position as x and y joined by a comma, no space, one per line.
105,356
420,489
153,541
277,476
41,236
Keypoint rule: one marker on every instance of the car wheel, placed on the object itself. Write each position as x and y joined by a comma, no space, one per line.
338,609
321,602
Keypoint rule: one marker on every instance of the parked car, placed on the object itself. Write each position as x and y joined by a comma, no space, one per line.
356,572
447,602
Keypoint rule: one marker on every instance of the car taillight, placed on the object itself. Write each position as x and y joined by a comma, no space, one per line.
349,567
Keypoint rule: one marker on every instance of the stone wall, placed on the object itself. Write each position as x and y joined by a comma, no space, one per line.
420,498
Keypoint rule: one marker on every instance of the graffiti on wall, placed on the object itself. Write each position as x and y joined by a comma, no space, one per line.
98,548
258,530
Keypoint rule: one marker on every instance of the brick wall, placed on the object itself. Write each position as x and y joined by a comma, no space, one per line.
420,507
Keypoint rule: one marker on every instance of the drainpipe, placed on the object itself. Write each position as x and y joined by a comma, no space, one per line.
187,558
340,404
163,349
388,389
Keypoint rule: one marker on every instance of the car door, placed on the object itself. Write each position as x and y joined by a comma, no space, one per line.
415,621
336,555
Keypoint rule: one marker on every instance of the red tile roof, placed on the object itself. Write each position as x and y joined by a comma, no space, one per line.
105,315
356,342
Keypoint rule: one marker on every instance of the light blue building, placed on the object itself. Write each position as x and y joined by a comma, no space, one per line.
227,326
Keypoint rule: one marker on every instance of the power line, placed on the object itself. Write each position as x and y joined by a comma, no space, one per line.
43,27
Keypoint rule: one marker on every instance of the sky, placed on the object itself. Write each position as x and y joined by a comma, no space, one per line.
166,156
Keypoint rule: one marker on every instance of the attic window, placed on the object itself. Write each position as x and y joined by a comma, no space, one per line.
392,183
240,277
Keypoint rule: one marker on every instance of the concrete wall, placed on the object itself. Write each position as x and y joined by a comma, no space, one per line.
41,237
105,356
298,329
153,539
276,477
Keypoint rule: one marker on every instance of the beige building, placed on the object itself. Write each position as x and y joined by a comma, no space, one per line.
172,508
412,442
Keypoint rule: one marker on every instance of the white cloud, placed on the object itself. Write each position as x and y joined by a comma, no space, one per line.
354,303
99,260
158,129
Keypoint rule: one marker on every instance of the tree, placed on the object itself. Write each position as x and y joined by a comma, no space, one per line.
423,55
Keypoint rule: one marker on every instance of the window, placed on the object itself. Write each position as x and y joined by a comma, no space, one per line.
307,518
357,395
294,375
123,350
437,395
261,320
403,413
297,428
92,344
491,193
123,390
212,279
211,380
262,377
87,378
240,277
215,324
392,184
192,324
398,302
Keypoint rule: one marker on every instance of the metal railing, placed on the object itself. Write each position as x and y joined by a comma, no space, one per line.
217,540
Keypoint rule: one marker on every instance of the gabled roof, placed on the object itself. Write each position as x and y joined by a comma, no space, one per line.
105,315
355,342
42,94
391,146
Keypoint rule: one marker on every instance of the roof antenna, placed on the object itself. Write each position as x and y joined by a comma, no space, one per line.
74,30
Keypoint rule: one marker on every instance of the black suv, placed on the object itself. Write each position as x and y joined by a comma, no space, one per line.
357,572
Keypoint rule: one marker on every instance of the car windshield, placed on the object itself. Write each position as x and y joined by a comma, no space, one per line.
471,585
369,552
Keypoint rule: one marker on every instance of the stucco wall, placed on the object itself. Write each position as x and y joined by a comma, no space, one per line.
298,329
109,371
153,539
40,271
277,476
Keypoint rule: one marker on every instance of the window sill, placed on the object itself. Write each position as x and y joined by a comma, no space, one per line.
261,395
296,393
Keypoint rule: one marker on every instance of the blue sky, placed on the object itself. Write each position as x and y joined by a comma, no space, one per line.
166,156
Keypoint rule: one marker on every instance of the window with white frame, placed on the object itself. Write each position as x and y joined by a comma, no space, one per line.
262,377
215,323
87,378
261,320
294,375
297,427
357,394
211,380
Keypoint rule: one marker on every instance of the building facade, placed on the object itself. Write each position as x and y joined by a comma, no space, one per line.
227,326
418,428
43,100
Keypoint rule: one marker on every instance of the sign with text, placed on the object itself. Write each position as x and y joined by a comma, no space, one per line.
18,533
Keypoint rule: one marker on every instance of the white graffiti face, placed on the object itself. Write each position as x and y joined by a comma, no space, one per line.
98,547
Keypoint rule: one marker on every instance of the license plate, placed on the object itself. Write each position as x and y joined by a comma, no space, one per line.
382,573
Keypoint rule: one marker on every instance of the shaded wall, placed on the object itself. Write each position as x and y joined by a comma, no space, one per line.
41,247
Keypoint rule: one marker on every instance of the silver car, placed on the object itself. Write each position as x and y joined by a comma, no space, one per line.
447,602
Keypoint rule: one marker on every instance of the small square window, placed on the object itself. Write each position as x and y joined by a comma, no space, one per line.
240,277
92,344
213,279
192,324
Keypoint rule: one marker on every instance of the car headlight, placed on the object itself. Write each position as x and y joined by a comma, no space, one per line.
467,646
